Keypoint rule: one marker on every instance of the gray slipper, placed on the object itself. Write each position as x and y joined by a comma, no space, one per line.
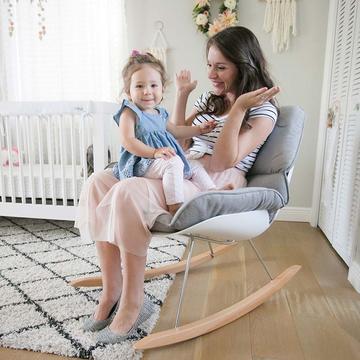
92,325
106,336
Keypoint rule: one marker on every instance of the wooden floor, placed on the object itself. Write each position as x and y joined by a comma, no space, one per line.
315,317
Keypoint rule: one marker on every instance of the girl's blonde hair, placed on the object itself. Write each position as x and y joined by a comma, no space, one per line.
135,63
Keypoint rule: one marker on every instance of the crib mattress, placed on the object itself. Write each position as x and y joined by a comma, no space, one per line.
35,181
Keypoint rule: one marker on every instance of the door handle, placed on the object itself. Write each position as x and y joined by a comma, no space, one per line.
330,118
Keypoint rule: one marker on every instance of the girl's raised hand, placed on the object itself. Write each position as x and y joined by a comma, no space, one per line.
184,83
256,97
164,152
207,126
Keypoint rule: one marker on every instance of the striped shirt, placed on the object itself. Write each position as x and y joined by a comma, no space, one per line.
204,144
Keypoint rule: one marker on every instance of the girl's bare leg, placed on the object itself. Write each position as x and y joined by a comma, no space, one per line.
132,296
110,264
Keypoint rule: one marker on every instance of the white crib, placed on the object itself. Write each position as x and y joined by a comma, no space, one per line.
43,154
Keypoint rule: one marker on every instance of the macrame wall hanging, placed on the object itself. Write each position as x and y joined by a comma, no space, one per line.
280,20
159,45
40,11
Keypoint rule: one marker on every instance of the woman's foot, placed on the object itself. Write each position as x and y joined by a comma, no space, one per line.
122,327
127,315
102,317
173,208
103,309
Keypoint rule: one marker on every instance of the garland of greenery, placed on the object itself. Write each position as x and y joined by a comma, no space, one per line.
227,16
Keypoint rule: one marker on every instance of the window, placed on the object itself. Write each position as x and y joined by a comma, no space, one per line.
78,58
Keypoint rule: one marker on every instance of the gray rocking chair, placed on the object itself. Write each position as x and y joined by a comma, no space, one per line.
226,218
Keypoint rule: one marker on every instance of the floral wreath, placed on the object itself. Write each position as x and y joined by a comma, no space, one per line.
226,17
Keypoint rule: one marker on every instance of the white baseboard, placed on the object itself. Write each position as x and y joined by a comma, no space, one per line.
354,276
300,214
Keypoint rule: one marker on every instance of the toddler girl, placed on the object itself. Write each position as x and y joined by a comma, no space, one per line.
149,146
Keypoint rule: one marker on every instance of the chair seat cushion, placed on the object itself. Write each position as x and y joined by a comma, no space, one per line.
210,204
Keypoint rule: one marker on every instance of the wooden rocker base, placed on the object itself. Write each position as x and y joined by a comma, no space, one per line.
169,269
219,319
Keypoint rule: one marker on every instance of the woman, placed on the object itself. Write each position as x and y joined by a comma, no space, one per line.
117,215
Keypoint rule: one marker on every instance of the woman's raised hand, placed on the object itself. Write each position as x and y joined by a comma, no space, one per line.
164,152
184,83
256,97
207,126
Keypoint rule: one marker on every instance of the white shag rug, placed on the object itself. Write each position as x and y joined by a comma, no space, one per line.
40,311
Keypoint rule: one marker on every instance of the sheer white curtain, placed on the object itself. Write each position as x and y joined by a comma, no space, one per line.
79,57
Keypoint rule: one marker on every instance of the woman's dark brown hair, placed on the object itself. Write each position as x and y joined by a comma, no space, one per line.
241,47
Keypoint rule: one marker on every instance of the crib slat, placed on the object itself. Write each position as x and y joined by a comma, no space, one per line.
41,159
57,143
30,132
2,160
73,158
82,143
10,157
62,158
100,149
50,152
20,150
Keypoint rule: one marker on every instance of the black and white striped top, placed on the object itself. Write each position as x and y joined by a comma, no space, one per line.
204,144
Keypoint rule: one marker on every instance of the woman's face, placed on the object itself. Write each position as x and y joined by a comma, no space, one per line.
221,72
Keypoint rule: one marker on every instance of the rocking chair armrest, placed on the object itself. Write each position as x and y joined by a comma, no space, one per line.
215,203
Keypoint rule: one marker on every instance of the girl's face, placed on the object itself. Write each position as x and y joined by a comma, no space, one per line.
221,72
146,89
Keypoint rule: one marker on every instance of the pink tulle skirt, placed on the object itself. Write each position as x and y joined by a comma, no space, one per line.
122,212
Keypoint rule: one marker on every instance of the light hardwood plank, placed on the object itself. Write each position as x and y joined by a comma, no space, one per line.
320,334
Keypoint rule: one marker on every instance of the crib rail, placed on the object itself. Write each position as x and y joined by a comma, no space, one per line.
43,162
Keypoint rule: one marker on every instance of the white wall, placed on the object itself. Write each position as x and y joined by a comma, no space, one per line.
298,71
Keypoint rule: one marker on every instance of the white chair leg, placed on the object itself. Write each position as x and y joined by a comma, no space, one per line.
188,261
260,259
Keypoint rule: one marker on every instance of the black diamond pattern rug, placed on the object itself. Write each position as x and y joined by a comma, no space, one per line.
40,311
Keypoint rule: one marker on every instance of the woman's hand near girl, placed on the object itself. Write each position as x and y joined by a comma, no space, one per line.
206,126
183,132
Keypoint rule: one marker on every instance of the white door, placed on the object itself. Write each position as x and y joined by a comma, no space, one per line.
340,182
354,223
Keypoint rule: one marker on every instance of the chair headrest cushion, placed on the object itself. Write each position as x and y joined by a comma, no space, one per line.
280,149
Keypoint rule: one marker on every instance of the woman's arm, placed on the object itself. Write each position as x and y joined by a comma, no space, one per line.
186,132
234,143
191,117
184,86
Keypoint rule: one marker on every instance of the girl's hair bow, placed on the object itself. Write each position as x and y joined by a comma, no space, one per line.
135,53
